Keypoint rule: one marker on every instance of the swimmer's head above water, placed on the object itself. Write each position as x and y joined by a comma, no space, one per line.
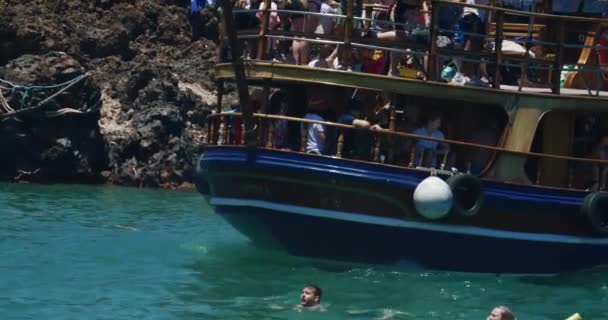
310,296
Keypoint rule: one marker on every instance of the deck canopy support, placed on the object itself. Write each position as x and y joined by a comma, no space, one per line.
239,74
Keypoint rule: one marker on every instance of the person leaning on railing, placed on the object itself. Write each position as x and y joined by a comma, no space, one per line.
327,58
356,144
469,37
409,21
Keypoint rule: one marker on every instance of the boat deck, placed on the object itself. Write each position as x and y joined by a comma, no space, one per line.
543,98
564,91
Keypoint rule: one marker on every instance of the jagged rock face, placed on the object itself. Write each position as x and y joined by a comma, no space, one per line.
56,142
153,86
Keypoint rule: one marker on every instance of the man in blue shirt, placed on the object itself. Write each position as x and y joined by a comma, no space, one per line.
428,147
357,145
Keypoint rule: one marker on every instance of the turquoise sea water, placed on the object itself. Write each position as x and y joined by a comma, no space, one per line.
72,252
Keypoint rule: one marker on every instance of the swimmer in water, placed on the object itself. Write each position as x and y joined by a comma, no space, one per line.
310,298
501,313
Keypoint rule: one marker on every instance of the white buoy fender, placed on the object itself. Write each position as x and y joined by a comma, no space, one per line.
433,198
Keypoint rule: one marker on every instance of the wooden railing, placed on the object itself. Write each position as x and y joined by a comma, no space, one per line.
460,155
550,64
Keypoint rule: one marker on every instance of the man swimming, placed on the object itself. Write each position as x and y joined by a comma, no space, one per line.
310,298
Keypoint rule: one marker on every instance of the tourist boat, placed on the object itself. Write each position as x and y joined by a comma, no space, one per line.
529,207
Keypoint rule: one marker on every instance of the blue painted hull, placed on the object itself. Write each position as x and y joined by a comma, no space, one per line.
361,242
345,210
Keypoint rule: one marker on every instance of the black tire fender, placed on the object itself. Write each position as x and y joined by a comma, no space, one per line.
468,194
595,210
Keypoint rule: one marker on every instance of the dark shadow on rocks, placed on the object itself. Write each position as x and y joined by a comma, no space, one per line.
60,141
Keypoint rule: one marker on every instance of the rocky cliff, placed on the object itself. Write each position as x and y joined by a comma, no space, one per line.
132,91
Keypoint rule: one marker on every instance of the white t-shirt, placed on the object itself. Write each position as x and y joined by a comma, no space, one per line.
321,63
314,143
326,23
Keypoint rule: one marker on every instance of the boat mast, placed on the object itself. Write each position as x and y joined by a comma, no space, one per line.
239,72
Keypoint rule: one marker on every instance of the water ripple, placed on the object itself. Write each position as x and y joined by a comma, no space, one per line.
121,253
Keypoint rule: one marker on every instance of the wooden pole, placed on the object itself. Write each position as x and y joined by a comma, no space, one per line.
559,57
239,72
220,95
412,154
348,31
340,145
303,135
270,137
226,139
422,155
523,77
264,30
210,131
221,41
392,126
498,37
265,109
489,18
432,61
216,130
214,123
377,148
444,161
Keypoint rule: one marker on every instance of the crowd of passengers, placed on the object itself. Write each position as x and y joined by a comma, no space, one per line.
406,21
371,111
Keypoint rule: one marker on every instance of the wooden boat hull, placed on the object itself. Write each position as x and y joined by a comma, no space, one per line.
347,210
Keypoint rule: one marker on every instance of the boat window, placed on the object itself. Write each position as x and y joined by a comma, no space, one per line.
478,124
571,134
